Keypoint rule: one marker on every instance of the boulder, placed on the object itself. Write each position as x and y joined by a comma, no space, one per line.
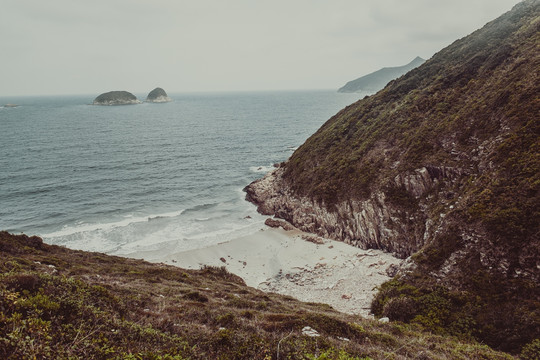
275,223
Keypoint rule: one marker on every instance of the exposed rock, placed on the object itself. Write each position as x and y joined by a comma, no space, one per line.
158,95
313,239
116,98
392,270
309,331
11,105
275,223
371,223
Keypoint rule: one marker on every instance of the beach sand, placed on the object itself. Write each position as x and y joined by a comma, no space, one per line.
283,262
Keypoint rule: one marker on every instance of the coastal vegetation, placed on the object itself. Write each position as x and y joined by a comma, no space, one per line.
57,303
442,165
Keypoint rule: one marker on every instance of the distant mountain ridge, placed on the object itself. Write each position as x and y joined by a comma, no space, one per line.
371,83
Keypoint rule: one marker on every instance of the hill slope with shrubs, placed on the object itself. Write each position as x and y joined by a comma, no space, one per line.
57,303
443,164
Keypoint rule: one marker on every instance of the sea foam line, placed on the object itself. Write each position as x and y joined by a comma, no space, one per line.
81,228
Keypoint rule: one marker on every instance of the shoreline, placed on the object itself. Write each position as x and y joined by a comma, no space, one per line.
284,262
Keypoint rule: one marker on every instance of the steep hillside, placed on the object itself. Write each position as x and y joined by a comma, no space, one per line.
444,163
57,303
371,83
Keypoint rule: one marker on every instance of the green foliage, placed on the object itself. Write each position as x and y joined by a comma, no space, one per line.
488,311
334,354
400,308
472,107
100,307
401,198
531,351
433,255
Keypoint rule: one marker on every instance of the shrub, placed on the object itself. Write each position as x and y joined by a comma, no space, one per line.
196,296
400,308
531,351
21,282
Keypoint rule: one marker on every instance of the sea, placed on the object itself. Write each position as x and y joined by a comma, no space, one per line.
148,177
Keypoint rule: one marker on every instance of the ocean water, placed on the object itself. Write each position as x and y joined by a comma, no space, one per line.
147,177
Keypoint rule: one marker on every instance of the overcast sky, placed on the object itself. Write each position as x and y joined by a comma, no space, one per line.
89,47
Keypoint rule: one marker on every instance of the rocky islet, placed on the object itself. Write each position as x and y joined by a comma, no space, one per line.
158,95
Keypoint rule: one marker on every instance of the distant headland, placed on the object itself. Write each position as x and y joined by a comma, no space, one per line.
371,83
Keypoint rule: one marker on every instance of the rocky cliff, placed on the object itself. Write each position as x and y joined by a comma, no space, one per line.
116,98
371,83
158,95
442,164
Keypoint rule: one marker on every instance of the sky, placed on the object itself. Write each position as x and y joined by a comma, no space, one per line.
61,47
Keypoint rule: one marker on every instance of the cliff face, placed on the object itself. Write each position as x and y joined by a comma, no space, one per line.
398,224
377,80
443,164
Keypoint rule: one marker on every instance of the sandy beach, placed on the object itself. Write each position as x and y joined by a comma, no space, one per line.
284,262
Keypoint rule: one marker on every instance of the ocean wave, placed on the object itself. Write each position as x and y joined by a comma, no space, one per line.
201,207
82,227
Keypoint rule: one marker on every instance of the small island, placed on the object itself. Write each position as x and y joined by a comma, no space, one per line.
11,105
158,95
116,98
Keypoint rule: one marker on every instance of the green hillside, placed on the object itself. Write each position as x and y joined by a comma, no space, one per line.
443,164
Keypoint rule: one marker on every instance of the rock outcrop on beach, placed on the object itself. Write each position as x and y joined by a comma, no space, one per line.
371,83
116,98
158,95
442,164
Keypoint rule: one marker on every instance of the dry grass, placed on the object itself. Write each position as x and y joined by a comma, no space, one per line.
59,303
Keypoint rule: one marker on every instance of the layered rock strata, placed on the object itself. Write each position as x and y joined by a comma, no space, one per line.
377,222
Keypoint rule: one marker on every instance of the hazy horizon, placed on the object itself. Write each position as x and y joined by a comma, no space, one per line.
66,48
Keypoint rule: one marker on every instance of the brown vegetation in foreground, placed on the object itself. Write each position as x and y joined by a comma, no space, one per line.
57,303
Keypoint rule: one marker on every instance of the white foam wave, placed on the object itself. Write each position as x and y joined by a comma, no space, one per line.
177,237
150,237
128,220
